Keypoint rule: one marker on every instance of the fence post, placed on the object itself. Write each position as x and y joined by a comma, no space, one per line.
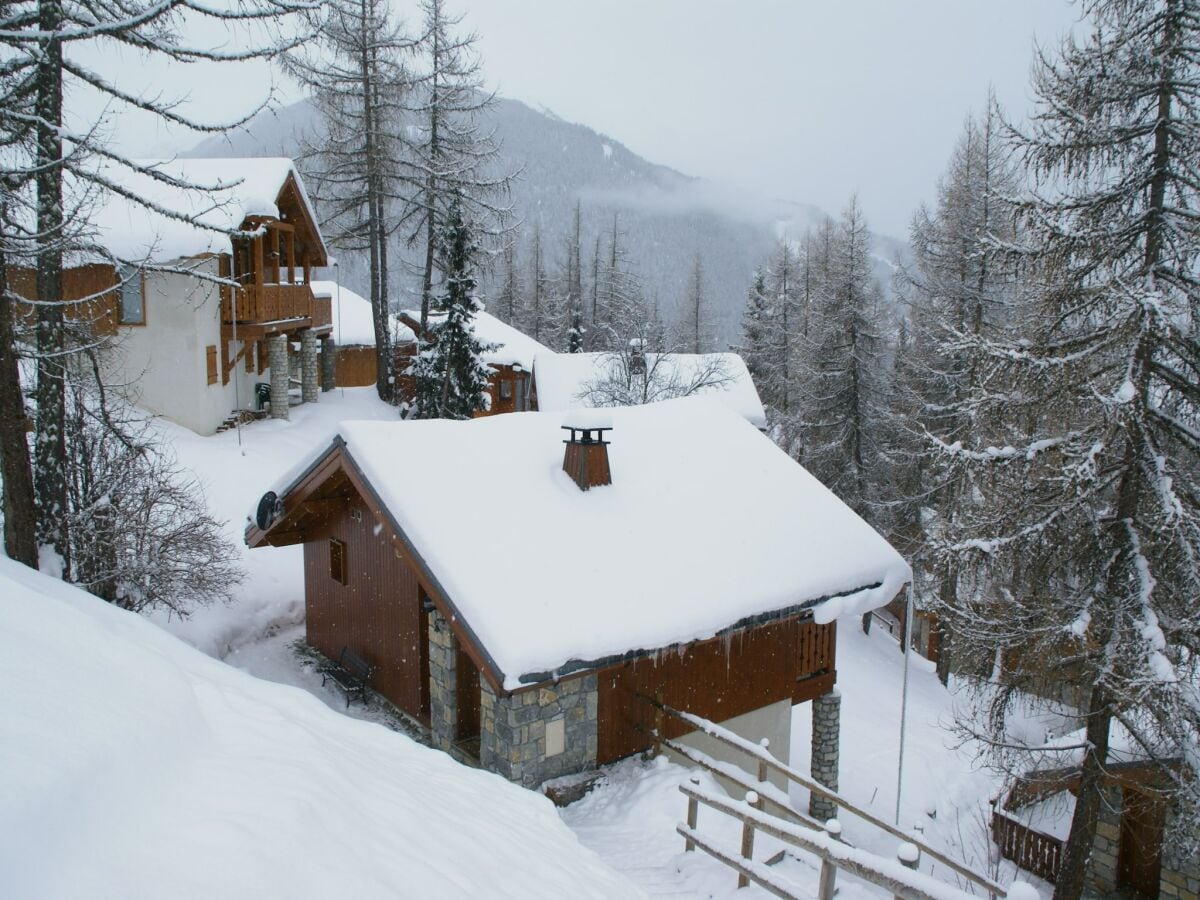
692,815
909,856
748,838
659,720
825,886
765,743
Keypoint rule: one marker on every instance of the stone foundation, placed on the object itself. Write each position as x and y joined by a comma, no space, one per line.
1179,877
826,749
328,364
308,366
443,683
541,733
277,359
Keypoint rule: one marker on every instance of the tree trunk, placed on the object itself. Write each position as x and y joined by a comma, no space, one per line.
1072,871
20,511
50,478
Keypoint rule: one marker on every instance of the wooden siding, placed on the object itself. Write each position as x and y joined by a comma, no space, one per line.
792,659
377,613
355,367
80,281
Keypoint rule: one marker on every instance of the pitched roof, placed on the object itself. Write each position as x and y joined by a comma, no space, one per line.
513,347
232,191
570,380
706,525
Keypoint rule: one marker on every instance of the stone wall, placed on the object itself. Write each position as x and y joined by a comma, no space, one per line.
1180,875
826,750
277,359
328,364
308,366
541,733
443,684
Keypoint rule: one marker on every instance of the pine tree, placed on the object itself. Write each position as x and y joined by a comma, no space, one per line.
450,372
358,83
1087,495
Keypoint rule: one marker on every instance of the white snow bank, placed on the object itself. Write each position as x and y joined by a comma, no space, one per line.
232,190
133,766
352,321
513,347
706,522
565,380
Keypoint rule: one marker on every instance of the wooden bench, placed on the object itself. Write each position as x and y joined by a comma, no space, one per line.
350,674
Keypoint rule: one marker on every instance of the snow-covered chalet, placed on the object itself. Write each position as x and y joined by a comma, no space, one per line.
180,343
522,583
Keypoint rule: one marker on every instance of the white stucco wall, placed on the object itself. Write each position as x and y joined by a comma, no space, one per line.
773,722
162,365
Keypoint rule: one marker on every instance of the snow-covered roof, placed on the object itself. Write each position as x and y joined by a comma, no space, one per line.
569,380
706,522
132,765
513,347
233,189
352,322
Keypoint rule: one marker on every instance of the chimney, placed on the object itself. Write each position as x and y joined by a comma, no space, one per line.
586,456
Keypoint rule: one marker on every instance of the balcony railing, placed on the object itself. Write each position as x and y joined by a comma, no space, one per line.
258,303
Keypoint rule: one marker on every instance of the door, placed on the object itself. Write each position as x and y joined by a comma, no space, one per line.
1139,859
467,697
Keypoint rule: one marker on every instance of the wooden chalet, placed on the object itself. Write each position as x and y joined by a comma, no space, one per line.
189,348
538,647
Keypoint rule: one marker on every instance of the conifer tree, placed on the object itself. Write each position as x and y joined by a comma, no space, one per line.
451,374
1087,494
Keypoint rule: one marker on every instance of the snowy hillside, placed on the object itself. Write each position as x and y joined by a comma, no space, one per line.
133,766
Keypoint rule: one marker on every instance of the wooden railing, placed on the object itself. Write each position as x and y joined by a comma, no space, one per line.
900,882
276,302
1032,850
765,793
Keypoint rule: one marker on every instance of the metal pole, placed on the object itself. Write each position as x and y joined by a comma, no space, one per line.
237,394
337,278
908,615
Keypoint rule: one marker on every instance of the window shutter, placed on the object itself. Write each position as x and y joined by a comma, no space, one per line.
210,353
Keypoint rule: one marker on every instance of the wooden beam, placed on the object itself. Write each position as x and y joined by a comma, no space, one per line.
291,242
274,233
227,364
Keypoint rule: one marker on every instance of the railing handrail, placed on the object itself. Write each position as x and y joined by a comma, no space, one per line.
904,883
736,741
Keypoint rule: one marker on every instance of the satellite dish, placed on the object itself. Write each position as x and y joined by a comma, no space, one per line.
270,509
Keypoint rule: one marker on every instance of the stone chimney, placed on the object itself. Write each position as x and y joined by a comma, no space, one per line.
586,455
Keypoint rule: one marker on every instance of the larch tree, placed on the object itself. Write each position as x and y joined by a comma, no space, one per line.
451,368
960,288
453,160
694,308
840,374
73,165
358,162
1087,496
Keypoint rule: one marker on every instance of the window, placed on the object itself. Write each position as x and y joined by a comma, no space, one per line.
506,391
210,360
337,560
133,302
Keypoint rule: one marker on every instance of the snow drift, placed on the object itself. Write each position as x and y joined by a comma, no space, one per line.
134,766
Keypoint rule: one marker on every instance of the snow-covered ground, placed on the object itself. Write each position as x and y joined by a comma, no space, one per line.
629,820
133,766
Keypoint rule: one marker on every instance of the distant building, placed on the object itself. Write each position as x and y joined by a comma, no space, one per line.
185,347
524,583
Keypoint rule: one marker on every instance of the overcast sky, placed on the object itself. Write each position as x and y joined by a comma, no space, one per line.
799,99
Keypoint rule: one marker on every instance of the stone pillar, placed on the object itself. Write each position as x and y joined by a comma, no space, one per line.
443,683
541,733
308,366
826,739
277,359
328,364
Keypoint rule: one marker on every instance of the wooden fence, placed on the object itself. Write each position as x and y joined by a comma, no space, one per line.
1032,850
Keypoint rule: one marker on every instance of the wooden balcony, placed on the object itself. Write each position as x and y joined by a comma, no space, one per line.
275,307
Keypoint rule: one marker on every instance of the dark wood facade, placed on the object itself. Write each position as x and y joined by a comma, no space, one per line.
374,605
96,282
790,659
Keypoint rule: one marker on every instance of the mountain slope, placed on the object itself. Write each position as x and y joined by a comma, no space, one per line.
664,217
